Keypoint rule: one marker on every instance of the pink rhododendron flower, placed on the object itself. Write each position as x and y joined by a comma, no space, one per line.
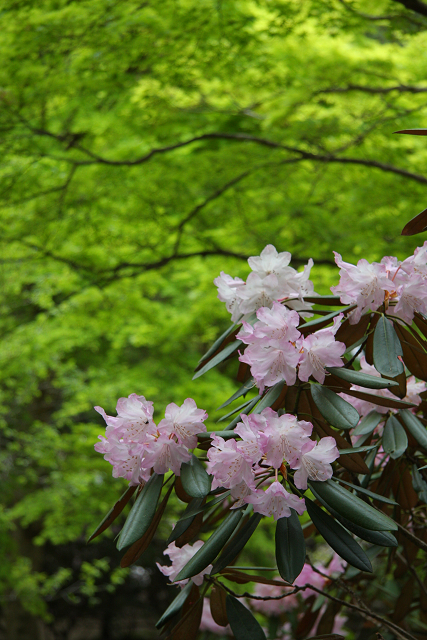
227,464
364,285
320,350
179,557
228,293
126,460
184,422
162,453
284,437
309,576
276,325
276,502
258,292
314,462
412,296
270,365
134,417
270,261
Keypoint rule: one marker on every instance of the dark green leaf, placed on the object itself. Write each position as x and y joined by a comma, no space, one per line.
290,547
419,484
338,538
361,379
415,427
394,440
237,543
195,481
242,622
176,605
113,513
319,323
344,452
239,408
270,397
223,433
218,342
249,384
387,348
333,408
374,496
245,411
142,512
368,423
351,507
220,357
327,300
193,508
206,554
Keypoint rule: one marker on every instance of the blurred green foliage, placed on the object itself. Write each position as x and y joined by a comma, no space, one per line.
145,147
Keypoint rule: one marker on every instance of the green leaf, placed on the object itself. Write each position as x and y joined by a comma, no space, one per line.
175,606
338,538
249,384
114,512
218,342
387,348
366,492
419,484
415,427
319,323
237,543
290,547
195,480
333,408
368,423
344,452
245,411
142,512
327,300
206,554
361,379
351,507
394,440
392,403
223,433
239,408
220,357
186,519
195,509
242,622
383,538
270,397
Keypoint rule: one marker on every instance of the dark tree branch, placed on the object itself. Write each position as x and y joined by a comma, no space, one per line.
401,88
414,5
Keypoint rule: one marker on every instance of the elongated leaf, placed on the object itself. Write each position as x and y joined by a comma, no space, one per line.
327,636
361,379
137,548
243,624
237,543
187,628
186,519
175,606
382,538
387,348
415,427
219,432
413,132
351,507
245,411
206,554
419,484
220,357
344,452
218,606
319,323
414,349
239,408
338,538
326,300
290,547
368,424
249,384
218,342
415,225
395,440
391,403
366,492
194,478
270,397
333,408
142,513
194,510
113,513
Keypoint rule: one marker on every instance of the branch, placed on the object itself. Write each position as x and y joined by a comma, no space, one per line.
416,541
414,5
401,88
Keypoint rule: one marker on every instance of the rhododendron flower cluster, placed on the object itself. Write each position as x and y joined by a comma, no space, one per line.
276,348
413,390
179,557
271,279
402,286
268,442
135,446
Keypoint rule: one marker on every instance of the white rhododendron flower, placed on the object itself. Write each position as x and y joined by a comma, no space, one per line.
180,556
